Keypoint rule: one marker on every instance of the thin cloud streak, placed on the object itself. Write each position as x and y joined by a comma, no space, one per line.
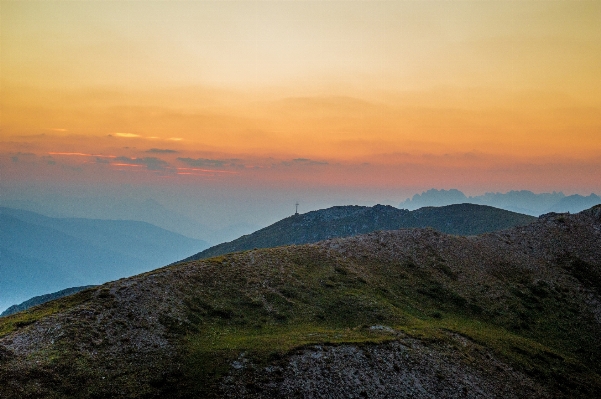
152,163
209,170
81,154
162,151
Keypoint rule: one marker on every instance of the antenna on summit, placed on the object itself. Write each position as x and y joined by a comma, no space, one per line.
296,213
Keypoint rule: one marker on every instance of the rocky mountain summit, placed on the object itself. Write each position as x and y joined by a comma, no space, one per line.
346,221
410,313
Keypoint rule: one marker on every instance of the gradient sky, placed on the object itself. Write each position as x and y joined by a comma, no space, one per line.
372,100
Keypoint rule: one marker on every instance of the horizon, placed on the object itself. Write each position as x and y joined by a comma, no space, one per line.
245,219
230,112
32,236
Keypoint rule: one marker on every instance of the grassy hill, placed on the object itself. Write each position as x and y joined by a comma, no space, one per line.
40,299
406,313
345,221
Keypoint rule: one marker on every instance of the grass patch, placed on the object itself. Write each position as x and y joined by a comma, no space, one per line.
210,352
19,320
552,366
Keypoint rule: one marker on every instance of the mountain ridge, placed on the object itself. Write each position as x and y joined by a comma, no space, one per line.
342,221
508,314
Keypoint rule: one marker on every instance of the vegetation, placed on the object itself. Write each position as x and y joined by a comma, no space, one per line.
522,304
346,221
21,319
38,300
324,300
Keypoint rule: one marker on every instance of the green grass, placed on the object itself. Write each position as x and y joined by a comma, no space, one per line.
211,350
19,320
294,297
322,300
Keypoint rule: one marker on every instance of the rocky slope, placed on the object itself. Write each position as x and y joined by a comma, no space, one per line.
345,221
410,313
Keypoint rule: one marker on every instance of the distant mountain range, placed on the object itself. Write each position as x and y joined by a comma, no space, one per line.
517,201
39,254
132,209
390,314
344,221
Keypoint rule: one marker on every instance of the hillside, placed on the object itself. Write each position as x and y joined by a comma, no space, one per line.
40,299
406,313
39,254
345,221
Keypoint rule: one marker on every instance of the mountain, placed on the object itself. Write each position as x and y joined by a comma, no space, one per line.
575,203
522,201
129,208
405,313
40,299
39,254
434,197
516,201
344,221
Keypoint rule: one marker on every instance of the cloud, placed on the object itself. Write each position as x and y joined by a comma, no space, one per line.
151,163
303,162
306,161
162,151
17,156
126,135
205,162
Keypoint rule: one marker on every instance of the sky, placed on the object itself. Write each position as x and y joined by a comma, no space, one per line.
231,111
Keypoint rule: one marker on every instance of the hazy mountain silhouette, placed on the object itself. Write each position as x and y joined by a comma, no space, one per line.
39,254
434,198
575,203
522,201
148,210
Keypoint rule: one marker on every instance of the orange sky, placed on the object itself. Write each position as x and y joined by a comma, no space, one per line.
478,96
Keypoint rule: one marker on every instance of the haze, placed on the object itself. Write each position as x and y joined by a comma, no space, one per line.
230,112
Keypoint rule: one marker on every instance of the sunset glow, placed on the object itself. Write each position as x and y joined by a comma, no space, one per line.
390,96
